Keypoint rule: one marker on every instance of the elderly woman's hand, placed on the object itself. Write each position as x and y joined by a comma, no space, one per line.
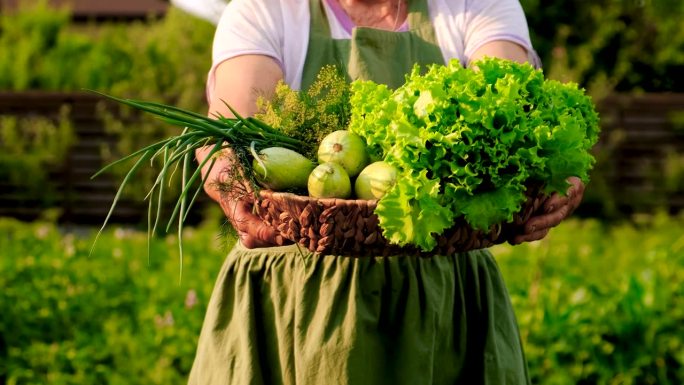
251,230
236,202
556,209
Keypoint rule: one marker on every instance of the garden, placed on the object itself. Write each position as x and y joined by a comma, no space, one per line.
599,301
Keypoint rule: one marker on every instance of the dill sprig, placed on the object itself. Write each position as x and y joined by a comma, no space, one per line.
312,114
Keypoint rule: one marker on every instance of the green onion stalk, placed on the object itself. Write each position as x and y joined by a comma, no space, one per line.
245,136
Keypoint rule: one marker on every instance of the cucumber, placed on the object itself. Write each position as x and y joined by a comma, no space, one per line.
281,169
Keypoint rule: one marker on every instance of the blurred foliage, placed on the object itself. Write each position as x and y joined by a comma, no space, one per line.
610,45
673,171
604,45
157,60
595,304
29,146
600,304
164,59
599,197
111,317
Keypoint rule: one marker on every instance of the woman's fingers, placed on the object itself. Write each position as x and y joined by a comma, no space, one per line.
557,207
251,230
254,233
575,193
555,210
530,237
538,227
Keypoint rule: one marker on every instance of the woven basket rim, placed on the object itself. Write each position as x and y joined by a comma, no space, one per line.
316,224
324,201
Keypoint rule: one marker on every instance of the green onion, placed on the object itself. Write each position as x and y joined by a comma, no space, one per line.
242,135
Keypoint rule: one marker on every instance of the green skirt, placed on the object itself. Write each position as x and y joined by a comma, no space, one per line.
284,315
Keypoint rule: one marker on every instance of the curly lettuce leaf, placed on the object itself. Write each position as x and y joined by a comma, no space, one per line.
411,213
479,137
484,209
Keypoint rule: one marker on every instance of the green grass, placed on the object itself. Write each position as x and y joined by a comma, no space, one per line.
597,304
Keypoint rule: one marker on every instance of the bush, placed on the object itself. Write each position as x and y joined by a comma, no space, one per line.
596,304
601,304
112,317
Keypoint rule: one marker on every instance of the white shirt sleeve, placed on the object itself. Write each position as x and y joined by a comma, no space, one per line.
490,20
274,28
246,27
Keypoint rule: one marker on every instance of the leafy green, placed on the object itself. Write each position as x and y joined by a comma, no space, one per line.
470,142
412,203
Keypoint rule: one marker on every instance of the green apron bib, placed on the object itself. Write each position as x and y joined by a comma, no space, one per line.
286,316
372,54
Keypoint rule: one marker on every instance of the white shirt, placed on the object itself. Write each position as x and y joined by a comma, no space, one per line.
280,29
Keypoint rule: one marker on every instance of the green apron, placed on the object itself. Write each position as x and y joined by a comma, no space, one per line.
283,315
382,56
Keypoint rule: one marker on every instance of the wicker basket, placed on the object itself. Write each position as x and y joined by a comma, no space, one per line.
342,226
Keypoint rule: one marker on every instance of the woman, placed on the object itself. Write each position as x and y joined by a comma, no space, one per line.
280,316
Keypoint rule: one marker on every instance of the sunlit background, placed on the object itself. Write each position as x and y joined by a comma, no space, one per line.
599,301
